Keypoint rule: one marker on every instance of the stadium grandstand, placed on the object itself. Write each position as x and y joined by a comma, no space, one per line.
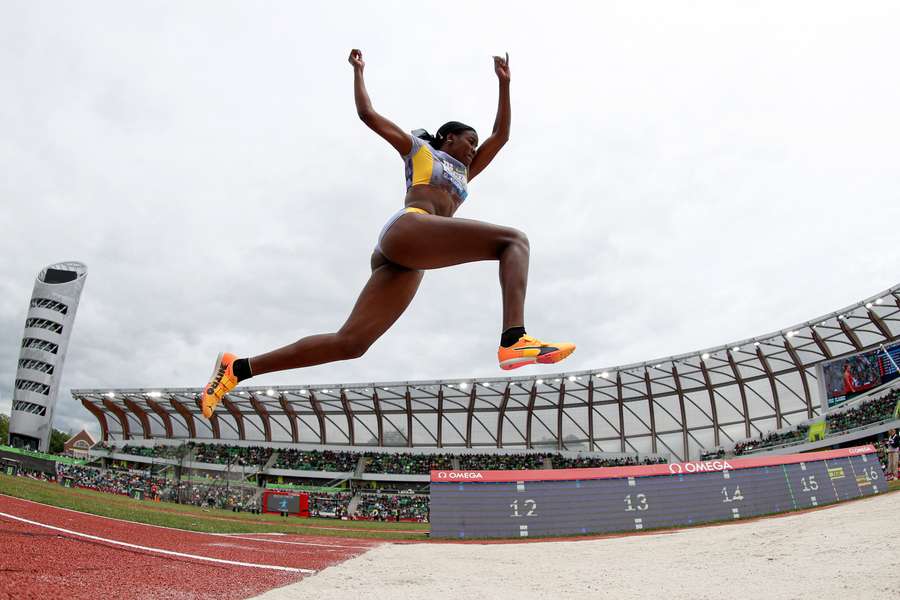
678,407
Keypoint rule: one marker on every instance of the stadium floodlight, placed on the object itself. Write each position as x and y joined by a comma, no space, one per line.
463,385
790,334
604,374
486,384
110,394
572,378
736,349
705,355
879,300
557,380
756,343
155,394
270,392
868,305
540,382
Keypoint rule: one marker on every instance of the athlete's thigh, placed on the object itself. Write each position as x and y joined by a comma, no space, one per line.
430,242
385,296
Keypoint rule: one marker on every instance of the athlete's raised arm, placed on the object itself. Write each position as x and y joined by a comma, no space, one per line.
387,129
500,135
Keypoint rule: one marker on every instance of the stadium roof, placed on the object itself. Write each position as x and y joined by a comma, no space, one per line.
677,404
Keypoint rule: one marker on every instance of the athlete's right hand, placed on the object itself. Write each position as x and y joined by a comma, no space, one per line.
356,59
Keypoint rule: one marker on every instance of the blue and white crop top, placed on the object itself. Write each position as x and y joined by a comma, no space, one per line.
425,165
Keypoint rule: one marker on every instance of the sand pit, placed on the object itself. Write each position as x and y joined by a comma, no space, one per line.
846,551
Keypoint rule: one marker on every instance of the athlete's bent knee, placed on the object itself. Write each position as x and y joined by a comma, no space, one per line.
518,239
353,346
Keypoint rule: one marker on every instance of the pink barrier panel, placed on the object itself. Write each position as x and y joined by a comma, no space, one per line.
646,470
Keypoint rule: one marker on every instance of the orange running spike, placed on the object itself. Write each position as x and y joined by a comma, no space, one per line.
528,351
223,380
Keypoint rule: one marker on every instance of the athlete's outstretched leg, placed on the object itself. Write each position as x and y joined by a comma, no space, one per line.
388,292
385,296
422,241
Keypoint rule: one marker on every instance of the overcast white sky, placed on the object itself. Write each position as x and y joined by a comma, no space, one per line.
688,173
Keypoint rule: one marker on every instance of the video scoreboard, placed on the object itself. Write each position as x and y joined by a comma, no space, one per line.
286,503
489,504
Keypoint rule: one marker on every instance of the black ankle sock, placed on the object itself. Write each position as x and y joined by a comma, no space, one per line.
511,336
241,369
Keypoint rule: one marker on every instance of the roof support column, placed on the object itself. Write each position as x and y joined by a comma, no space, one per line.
590,413
712,402
684,430
768,370
320,416
101,418
376,404
142,417
528,417
620,392
740,382
345,404
469,417
164,415
652,412
500,416
263,415
806,395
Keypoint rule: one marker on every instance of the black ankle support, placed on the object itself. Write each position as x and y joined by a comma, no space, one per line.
511,336
241,369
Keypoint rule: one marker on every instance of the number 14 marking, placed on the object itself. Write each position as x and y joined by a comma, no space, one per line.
734,497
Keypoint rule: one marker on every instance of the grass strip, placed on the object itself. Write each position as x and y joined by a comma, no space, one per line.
192,518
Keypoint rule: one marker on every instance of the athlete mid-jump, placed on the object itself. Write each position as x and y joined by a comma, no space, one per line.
423,235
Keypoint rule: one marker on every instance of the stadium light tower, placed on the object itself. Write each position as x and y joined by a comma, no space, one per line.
48,327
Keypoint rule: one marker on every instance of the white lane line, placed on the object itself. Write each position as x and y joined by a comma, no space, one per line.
87,514
158,550
232,536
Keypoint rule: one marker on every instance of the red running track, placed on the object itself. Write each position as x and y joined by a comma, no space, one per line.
52,552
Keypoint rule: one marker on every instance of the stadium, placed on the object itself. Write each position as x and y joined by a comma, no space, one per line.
279,464
371,216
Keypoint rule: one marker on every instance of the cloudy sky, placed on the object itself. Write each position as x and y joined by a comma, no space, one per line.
688,173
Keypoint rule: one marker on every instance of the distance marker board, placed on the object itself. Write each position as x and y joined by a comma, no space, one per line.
490,504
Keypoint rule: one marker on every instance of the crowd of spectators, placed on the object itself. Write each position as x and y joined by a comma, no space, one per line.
153,451
793,436
400,463
334,505
218,494
407,464
242,456
578,462
870,411
501,462
125,483
315,460
393,507
874,410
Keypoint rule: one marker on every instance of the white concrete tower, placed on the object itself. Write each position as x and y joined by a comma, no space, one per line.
48,327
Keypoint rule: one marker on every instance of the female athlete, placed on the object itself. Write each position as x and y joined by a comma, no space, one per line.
421,236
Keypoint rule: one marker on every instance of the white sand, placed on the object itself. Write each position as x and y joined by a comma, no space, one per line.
846,552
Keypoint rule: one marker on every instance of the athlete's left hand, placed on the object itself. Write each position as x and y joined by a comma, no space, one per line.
501,67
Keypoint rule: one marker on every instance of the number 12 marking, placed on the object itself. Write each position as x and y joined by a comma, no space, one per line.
529,505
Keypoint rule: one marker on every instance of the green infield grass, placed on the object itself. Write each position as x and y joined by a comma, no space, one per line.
193,518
